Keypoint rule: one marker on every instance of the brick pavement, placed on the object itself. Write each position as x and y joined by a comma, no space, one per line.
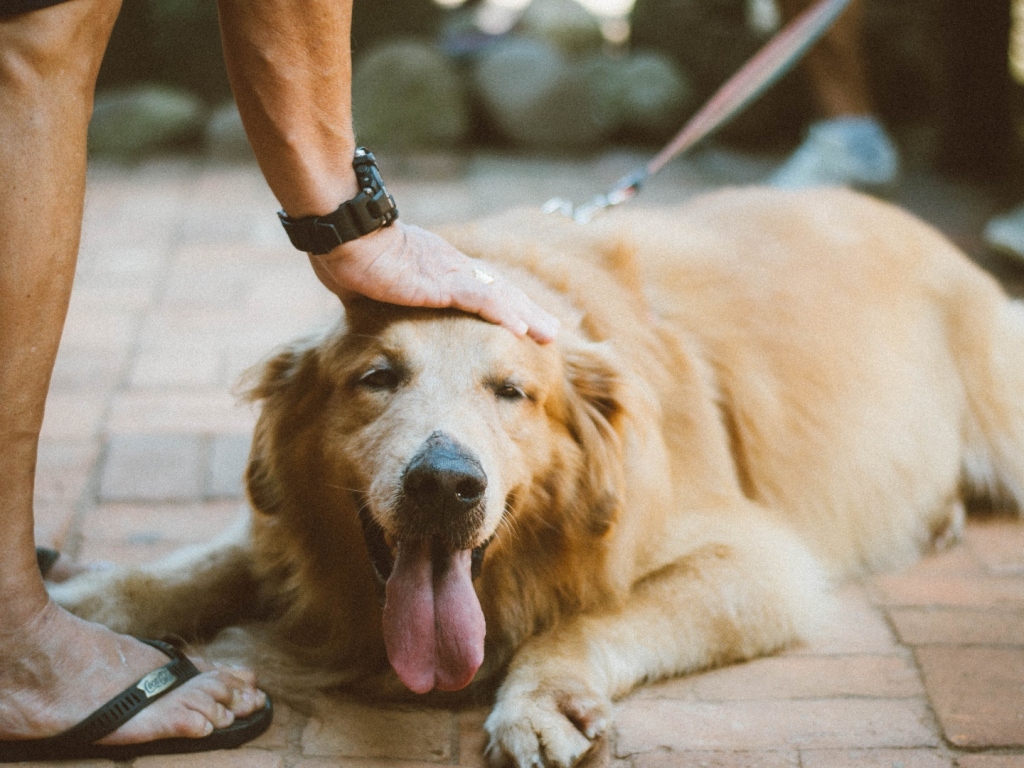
185,280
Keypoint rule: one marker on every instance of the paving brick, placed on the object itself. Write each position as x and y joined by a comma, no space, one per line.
178,326
76,416
283,730
795,677
990,761
227,758
153,468
204,286
360,762
875,758
194,366
64,764
91,328
198,412
716,760
129,280
241,257
87,370
63,472
999,544
275,290
53,524
250,329
229,455
646,725
349,729
63,469
472,737
958,626
133,534
977,694
967,591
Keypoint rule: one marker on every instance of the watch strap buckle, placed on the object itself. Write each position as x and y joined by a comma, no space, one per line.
370,210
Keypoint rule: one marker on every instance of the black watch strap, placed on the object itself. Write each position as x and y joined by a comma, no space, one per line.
367,212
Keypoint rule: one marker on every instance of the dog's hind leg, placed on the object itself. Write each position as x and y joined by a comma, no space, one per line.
745,593
988,342
191,594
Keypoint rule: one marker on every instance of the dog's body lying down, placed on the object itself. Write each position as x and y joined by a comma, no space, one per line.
749,395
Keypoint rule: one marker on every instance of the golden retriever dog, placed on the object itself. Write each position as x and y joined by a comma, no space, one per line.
751,396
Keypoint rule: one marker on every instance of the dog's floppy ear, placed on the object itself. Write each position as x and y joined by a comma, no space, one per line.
287,385
282,372
595,410
595,377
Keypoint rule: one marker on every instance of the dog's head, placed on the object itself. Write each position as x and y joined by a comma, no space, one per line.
441,433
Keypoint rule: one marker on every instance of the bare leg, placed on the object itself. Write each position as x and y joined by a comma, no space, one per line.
849,147
835,64
54,668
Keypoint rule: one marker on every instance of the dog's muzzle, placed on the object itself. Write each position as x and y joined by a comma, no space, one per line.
442,493
442,499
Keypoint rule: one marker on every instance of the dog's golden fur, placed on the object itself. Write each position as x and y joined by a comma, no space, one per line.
749,395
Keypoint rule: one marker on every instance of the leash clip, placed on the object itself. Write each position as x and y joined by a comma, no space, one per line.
623,190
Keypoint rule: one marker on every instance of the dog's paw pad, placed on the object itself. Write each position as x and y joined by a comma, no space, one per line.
545,730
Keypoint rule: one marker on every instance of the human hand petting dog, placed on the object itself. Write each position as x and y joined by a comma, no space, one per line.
403,264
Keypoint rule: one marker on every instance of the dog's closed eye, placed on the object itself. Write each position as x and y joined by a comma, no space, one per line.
381,377
509,390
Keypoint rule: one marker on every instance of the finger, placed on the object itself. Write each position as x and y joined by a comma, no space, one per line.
543,325
484,298
507,305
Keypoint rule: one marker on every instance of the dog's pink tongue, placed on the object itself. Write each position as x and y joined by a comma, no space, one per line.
433,624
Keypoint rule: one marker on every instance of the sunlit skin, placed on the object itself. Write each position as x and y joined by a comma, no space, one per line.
836,65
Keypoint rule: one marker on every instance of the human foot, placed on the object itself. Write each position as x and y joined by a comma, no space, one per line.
1006,233
57,669
843,151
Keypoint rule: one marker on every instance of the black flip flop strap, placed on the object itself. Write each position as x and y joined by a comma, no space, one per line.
132,700
46,557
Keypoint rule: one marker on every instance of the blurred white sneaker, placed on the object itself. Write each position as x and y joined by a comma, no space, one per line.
842,152
1006,233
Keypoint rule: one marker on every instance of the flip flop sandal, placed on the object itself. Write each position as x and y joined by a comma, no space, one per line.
77,743
46,558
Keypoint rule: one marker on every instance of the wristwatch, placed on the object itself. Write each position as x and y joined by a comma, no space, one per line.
367,212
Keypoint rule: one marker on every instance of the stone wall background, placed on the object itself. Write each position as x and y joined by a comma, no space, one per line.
560,79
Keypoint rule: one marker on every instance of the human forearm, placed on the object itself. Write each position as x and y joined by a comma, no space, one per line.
290,67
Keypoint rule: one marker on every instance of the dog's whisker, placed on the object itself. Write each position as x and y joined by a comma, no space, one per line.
342,488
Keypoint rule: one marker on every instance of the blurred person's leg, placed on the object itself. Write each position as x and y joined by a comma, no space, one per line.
1006,233
849,146
978,138
54,668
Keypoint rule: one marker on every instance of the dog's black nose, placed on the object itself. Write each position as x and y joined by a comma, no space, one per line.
443,477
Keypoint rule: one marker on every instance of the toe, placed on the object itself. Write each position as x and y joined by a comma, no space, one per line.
210,701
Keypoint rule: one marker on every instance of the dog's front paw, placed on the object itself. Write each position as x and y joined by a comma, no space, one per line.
549,726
